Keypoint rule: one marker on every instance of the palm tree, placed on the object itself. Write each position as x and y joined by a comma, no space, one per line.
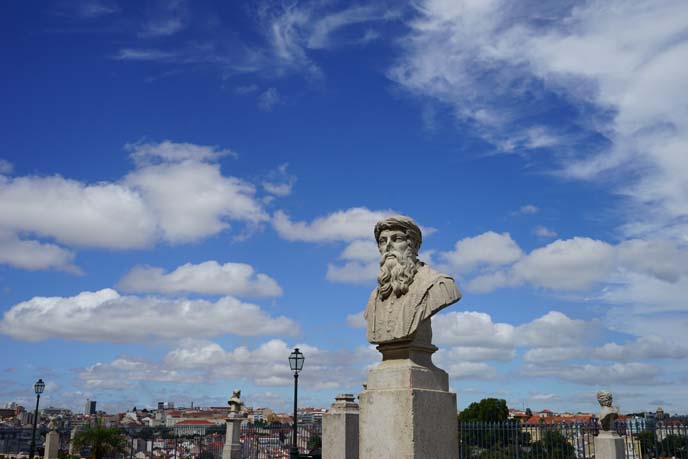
103,441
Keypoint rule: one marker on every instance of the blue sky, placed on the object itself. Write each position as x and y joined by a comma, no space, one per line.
188,191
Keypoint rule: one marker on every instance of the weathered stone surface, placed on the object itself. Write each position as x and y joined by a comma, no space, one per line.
340,429
609,445
409,292
406,409
232,446
52,445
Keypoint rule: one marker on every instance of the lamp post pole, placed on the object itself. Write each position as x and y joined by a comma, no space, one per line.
38,388
294,454
296,359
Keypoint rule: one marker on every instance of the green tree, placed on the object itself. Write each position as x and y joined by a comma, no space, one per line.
102,441
486,410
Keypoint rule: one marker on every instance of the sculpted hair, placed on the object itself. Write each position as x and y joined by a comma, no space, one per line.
402,223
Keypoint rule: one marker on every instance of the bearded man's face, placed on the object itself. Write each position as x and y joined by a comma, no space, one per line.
398,263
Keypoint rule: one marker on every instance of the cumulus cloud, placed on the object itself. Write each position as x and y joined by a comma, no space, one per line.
265,365
123,372
629,373
268,99
279,182
210,277
191,200
175,194
345,225
645,347
544,232
6,167
33,255
476,329
146,153
356,320
100,215
490,248
105,315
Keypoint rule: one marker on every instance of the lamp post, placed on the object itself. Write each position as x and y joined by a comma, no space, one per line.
296,359
38,388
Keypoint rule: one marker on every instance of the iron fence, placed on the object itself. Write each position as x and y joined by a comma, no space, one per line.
271,441
569,440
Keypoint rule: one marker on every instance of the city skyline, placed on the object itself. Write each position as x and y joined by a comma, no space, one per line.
188,192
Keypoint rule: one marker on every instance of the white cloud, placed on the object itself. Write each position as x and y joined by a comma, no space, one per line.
619,64
645,347
476,329
237,279
100,215
6,167
191,200
542,355
490,249
470,370
33,255
571,264
544,232
324,27
345,225
268,99
626,373
122,372
476,354
471,328
266,365
167,19
145,54
356,320
148,153
556,329
105,315
529,209
363,250
352,272
279,182
182,198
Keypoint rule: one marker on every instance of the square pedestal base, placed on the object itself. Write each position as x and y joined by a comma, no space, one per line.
609,446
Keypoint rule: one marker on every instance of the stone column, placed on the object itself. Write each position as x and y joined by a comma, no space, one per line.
71,441
407,411
340,429
232,447
52,445
609,445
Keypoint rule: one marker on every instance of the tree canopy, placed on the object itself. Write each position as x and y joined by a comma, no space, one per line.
102,441
486,410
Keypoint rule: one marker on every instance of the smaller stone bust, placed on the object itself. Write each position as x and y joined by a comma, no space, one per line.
235,402
609,413
52,425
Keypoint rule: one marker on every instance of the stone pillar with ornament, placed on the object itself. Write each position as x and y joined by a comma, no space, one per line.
232,447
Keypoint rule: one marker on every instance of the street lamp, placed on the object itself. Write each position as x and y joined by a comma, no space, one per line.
296,359
38,388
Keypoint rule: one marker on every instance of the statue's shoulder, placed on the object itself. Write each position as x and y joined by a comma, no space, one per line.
427,275
441,287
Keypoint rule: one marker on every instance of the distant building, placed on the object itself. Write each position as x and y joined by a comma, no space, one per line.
90,407
161,406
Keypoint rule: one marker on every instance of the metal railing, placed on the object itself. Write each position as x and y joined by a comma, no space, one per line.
569,440
511,439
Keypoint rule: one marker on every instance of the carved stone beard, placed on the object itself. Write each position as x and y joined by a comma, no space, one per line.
396,274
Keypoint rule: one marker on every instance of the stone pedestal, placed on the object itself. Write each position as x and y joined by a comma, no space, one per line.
407,411
340,429
52,445
71,442
232,447
609,445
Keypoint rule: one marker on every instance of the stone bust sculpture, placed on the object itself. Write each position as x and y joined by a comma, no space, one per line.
609,413
235,402
409,292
